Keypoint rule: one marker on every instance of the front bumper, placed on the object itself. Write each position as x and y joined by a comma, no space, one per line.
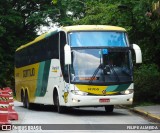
77,100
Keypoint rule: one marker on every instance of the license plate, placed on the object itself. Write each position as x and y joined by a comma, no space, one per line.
106,100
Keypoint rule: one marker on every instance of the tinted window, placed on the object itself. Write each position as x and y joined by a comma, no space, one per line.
43,50
98,38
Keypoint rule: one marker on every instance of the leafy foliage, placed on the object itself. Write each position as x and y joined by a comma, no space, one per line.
147,79
18,21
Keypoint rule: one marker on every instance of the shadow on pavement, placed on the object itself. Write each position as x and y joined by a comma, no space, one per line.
83,111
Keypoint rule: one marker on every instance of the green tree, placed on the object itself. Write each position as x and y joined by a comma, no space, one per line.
67,11
19,20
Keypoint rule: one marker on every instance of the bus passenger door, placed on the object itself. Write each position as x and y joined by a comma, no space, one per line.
64,77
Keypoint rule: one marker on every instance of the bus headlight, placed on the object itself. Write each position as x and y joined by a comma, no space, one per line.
126,92
77,92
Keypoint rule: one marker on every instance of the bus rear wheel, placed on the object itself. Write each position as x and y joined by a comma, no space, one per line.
27,104
22,98
109,108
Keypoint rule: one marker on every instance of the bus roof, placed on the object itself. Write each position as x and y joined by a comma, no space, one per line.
92,28
75,28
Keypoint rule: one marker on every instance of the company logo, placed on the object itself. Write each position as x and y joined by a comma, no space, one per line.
65,97
6,127
55,68
20,127
104,92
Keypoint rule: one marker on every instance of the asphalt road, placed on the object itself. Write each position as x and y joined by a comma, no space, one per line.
83,116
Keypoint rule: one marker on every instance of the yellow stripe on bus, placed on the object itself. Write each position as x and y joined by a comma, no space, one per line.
99,90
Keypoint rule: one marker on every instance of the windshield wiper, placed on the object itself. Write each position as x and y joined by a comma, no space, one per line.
112,68
126,71
95,73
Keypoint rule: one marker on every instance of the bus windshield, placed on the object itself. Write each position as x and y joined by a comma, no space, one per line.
98,38
94,66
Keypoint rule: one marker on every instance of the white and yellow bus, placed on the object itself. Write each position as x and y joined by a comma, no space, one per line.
77,66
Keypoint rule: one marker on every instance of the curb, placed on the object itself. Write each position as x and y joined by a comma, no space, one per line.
144,113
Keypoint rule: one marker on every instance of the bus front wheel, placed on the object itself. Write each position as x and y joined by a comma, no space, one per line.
109,108
60,109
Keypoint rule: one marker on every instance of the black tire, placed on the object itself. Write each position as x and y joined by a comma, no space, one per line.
109,108
26,102
60,109
23,99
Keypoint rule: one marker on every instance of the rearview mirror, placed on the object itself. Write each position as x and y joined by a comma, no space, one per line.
67,52
138,53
